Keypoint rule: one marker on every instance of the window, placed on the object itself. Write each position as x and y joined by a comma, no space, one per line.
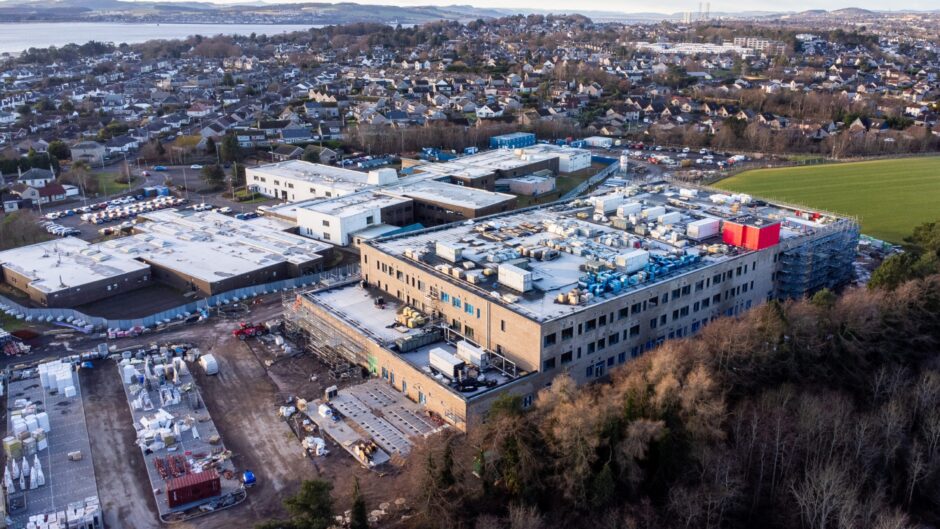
622,357
699,286
591,348
567,334
566,357
653,323
686,290
549,339
326,223
468,308
445,297
716,279
548,364
653,302
455,302
502,325
623,313
370,219
675,293
636,308
590,325
326,236
665,298
602,321
634,331
601,344
610,361
613,339
527,401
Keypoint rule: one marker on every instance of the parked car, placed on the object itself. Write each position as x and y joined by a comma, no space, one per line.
195,166
159,168
225,210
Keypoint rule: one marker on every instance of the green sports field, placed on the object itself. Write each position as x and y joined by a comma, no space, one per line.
890,197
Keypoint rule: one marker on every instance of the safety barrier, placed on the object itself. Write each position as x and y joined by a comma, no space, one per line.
80,321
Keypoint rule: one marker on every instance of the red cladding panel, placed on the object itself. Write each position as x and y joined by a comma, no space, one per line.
768,236
732,233
758,238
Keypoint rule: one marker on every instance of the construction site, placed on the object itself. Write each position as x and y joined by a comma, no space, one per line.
453,317
49,474
190,470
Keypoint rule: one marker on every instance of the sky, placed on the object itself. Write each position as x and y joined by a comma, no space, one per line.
659,6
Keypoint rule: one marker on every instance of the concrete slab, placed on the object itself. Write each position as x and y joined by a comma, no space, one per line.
67,481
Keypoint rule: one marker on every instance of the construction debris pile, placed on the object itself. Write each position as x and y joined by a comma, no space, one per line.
11,345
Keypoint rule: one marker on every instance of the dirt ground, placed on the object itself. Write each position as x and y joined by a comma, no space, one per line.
243,399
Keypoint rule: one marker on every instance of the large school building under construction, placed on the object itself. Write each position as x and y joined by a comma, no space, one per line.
457,315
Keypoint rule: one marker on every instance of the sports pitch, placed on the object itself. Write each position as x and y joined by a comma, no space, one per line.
889,197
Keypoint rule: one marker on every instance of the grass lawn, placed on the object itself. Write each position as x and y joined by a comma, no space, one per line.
107,184
890,197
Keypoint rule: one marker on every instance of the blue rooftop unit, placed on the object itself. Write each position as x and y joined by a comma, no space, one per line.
515,140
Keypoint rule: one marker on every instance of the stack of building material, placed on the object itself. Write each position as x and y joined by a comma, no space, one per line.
57,376
84,514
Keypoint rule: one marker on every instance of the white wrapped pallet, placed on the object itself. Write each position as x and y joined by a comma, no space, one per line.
129,374
69,391
43,419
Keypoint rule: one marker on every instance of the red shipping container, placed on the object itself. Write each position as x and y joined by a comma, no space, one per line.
732,233
193,487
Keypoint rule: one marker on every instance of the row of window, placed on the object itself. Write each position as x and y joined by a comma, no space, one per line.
653,302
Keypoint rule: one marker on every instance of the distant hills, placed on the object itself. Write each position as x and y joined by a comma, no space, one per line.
326,13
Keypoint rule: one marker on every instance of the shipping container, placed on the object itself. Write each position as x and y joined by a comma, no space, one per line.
632,208
669,218
703,228
653,212
632,261
191,488
446,363
515,278
448,252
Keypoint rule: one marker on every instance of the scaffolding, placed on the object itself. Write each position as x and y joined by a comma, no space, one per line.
822,258
341,354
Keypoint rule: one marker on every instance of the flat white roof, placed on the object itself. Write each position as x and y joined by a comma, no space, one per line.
68,262
212,247
314,173
442,192
351,205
